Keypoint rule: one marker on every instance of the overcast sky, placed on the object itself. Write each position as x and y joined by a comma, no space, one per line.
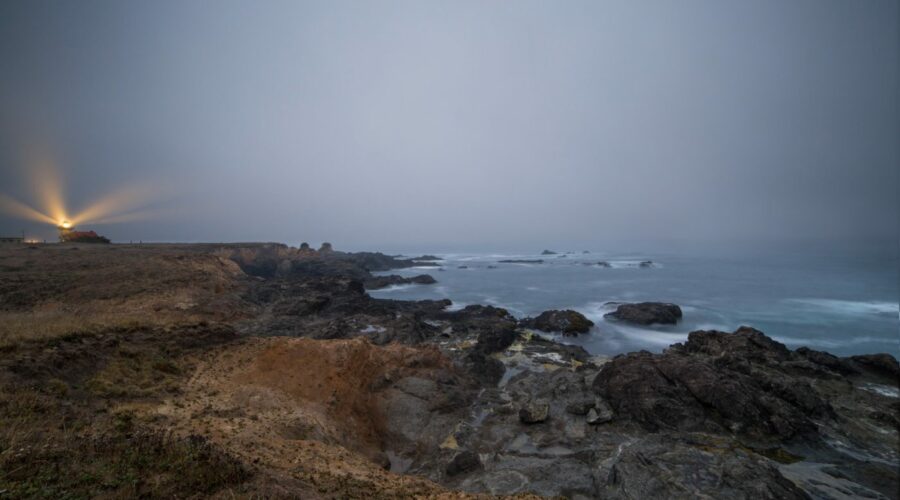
453,125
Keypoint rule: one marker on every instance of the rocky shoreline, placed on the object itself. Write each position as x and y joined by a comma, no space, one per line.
297,373
723,414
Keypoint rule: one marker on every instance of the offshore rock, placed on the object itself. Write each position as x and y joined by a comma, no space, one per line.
647,313
567,321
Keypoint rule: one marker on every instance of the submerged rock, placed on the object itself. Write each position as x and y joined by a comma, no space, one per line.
605,264
646,264
567,321
647,313
521,261
548,252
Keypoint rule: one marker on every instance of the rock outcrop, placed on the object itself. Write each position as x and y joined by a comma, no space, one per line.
377,282
647,313
568,322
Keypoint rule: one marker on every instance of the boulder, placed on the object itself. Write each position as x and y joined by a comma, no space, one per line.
600,413
647,313
567,321
581,407
462,462
496,337
534,412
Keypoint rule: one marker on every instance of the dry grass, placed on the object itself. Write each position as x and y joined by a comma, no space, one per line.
17,327
55,291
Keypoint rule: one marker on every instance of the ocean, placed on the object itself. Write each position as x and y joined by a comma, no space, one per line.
841,305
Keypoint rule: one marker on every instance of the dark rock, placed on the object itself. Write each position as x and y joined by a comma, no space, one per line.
462,462
548,252
521,261
646,264
600,413
595,418
699,387
377,282
568,322
484,368
605,264
497,337
580,407
662,466
427,257
534,412
463,267
827,361
647,313
882,363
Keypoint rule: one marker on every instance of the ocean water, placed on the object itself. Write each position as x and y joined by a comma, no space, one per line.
841,305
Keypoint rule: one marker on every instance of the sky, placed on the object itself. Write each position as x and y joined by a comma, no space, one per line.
459,125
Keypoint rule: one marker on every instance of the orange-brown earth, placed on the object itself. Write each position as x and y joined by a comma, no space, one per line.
308,409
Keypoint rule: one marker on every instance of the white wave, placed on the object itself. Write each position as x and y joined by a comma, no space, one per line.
632,264
714,326
392,288
884,390
594,311
653,337
849,306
